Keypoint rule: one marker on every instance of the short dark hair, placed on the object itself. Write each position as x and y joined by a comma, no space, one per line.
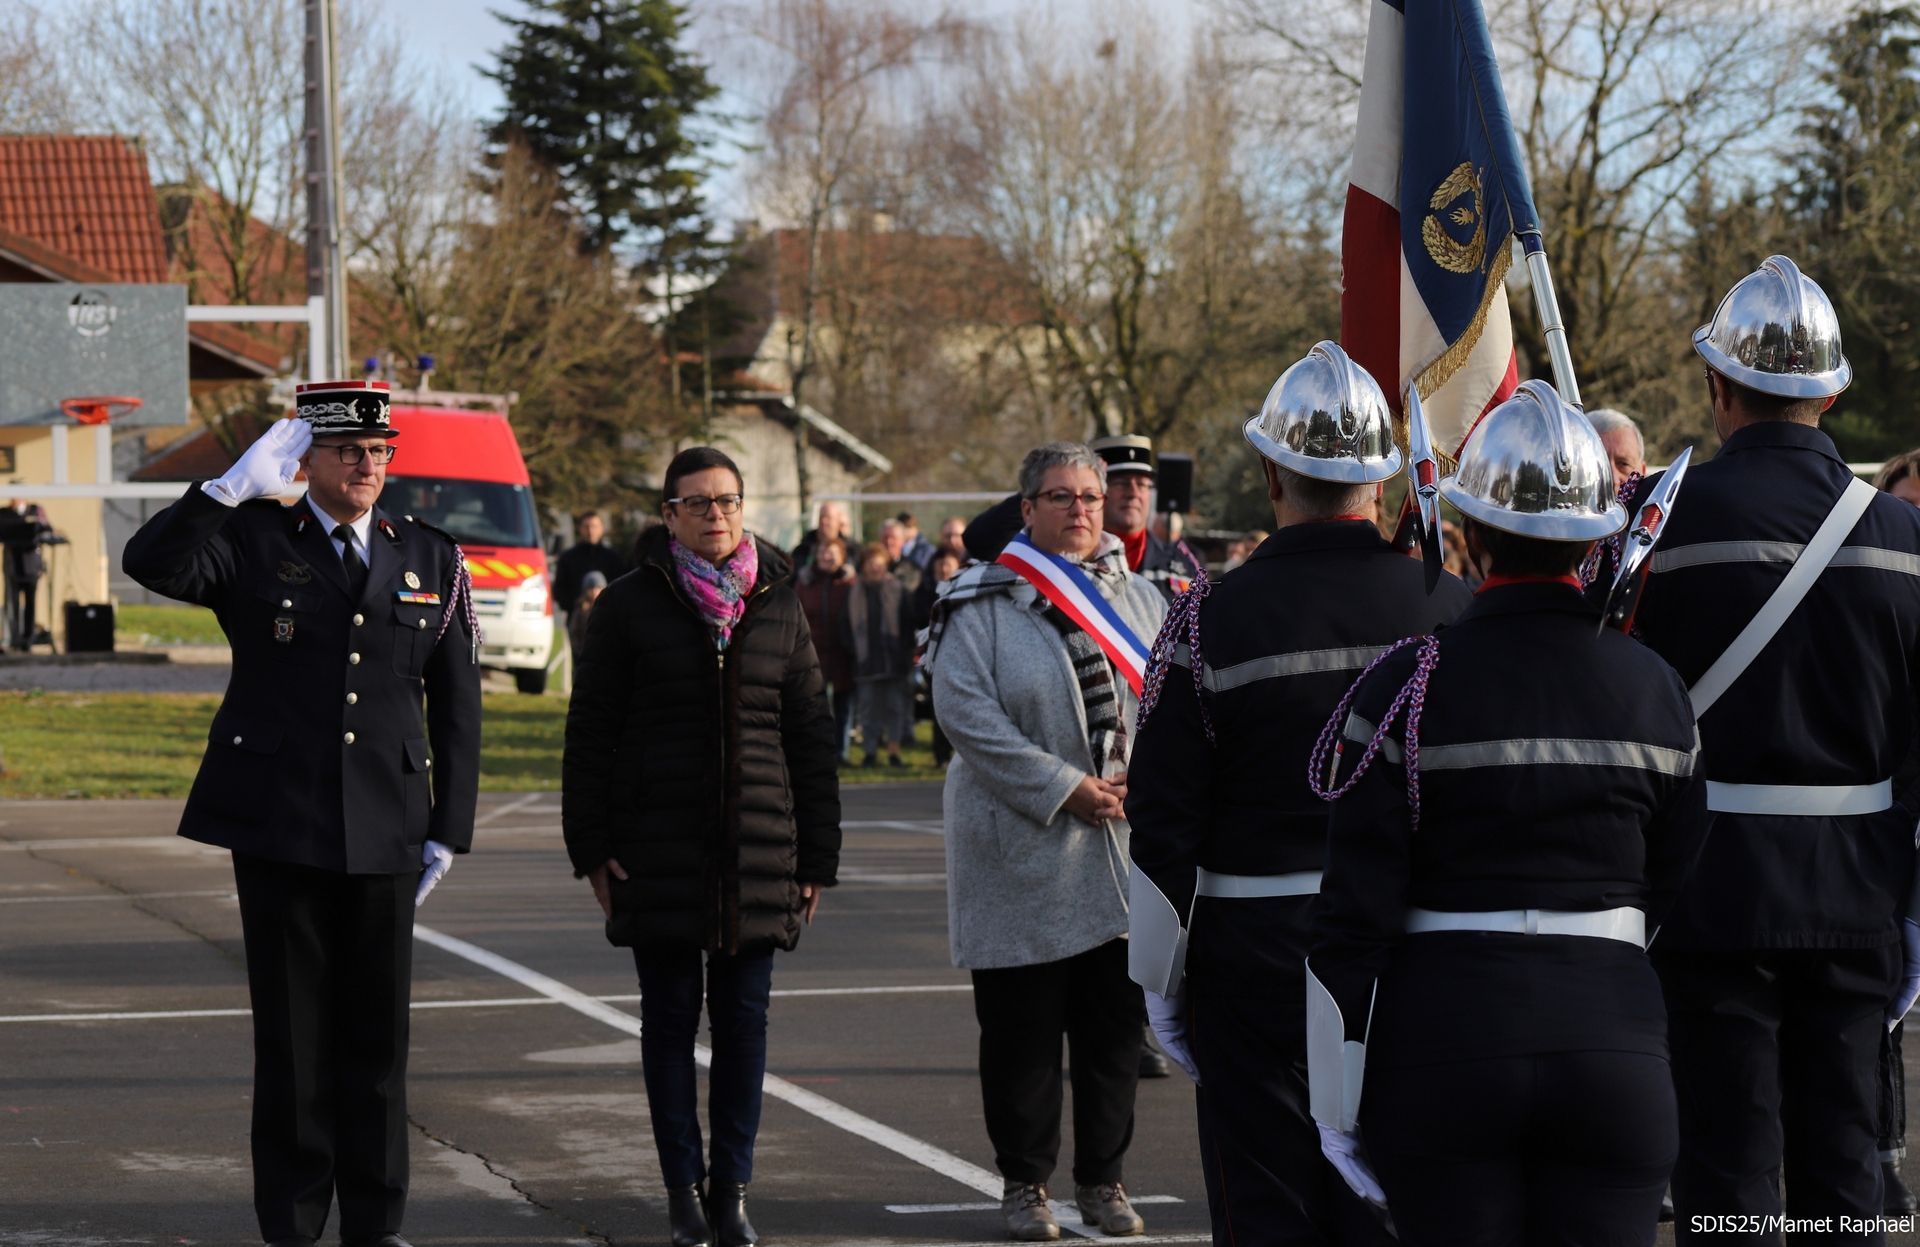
1897,469
1762,406
588,514
697,459
1510,554
905,518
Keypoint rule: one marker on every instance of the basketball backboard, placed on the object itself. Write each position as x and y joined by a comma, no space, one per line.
60,340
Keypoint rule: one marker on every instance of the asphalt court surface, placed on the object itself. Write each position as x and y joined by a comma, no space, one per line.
529,1112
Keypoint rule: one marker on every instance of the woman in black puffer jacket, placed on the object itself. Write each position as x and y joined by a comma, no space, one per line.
703,804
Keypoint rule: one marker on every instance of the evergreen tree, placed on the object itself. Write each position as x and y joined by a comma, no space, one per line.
604,93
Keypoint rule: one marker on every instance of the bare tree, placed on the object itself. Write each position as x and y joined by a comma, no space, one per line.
832,64
35,97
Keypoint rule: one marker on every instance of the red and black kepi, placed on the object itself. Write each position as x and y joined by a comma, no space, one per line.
350,407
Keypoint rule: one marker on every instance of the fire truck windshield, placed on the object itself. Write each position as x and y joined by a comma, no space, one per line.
477,513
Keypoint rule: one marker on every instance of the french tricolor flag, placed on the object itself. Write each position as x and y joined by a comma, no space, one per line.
1070,589
1437,194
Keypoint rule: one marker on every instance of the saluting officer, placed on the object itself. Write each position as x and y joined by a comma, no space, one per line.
319,776
1510,819
1219,802
1786,593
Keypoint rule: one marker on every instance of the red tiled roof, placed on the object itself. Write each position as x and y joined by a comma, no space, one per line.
87,196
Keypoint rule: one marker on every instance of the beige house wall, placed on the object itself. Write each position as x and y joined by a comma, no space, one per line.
77,571
763,448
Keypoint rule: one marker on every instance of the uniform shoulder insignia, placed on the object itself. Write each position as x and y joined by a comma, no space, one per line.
436,530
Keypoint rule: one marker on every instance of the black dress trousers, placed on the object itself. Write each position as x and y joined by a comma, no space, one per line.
1776,1061
330,968
1023,1011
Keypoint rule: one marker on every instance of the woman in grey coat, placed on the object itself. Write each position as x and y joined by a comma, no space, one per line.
1037,845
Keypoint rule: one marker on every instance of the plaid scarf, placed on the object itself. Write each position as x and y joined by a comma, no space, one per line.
718,593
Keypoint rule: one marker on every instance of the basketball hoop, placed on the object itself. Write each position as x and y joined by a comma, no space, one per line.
98,410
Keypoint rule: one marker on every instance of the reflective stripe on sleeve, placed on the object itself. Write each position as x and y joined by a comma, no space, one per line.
1302,662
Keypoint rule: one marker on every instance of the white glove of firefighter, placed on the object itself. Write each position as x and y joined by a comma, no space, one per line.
1343,1150
436,860
1168,1017
1910,981
268,467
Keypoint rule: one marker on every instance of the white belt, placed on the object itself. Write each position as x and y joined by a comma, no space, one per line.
1626,923
1244,887
1799,799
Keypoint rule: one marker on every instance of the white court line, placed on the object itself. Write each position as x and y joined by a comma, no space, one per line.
229,893
460,1004
926,826
937,1159
508,808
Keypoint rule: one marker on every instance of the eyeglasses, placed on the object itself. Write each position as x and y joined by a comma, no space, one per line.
701,505
1063,499
352,455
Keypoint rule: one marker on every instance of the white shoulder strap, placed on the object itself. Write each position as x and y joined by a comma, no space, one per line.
1806,569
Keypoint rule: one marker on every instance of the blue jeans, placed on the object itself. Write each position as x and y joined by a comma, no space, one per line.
737,990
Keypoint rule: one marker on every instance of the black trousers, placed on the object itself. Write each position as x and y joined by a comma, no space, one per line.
1556,1149
737,993
330,967
20,593
1267,1181
1893,1095
1023,1011
1776,1059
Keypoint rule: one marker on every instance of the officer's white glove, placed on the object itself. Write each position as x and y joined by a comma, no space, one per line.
1910,982
1344,1151
268,467
435,860
1168,1017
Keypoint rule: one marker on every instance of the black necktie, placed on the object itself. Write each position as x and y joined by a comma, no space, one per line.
356,566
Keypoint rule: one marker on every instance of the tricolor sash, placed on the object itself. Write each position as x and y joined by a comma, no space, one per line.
1069,588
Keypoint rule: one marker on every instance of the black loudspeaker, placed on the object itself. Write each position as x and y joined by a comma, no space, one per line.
1175,483
89,627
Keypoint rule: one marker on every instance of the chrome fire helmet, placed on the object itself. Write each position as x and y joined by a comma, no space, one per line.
1776,332
1535,467
1326,418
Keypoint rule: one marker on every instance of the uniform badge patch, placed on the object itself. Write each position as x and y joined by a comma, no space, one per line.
295,573
388,531
283,629
412,598
413,581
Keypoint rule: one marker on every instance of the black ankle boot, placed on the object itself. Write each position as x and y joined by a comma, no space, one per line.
727,1205
1897,1200
687,1213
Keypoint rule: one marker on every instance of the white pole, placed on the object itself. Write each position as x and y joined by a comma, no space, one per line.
1549,307
336,257
317,338
102,453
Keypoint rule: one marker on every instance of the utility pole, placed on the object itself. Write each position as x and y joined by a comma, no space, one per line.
326,275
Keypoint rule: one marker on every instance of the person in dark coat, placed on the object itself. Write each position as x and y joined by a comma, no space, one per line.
824,586
590,553
703,804
878,633
23,531
1512,804
318,776
1225,826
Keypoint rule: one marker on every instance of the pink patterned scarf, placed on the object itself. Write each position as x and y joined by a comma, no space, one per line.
718,593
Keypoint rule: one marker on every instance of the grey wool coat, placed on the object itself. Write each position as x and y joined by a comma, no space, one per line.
1027,882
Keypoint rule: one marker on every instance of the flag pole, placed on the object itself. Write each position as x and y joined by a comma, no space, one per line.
1549,307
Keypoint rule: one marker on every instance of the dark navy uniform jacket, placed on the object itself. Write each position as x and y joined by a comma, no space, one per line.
1167,566
318,755
1281,638
1829,701
1556,771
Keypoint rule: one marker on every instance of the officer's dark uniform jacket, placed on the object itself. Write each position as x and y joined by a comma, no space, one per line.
318,755
1167,566
1555,768
1281,638
1829,701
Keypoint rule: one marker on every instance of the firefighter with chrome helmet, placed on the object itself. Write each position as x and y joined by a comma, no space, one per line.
1786,593
1228,839
1486,1040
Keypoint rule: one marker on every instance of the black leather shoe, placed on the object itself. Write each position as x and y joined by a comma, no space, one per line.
1898,1200
727,1206
687,1214
1152,1064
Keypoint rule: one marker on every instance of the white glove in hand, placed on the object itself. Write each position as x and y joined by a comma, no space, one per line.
1910,982
1344,1151
268,467
1168,1017
435,860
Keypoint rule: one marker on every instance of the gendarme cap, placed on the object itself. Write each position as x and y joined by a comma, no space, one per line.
356,407
1127,453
